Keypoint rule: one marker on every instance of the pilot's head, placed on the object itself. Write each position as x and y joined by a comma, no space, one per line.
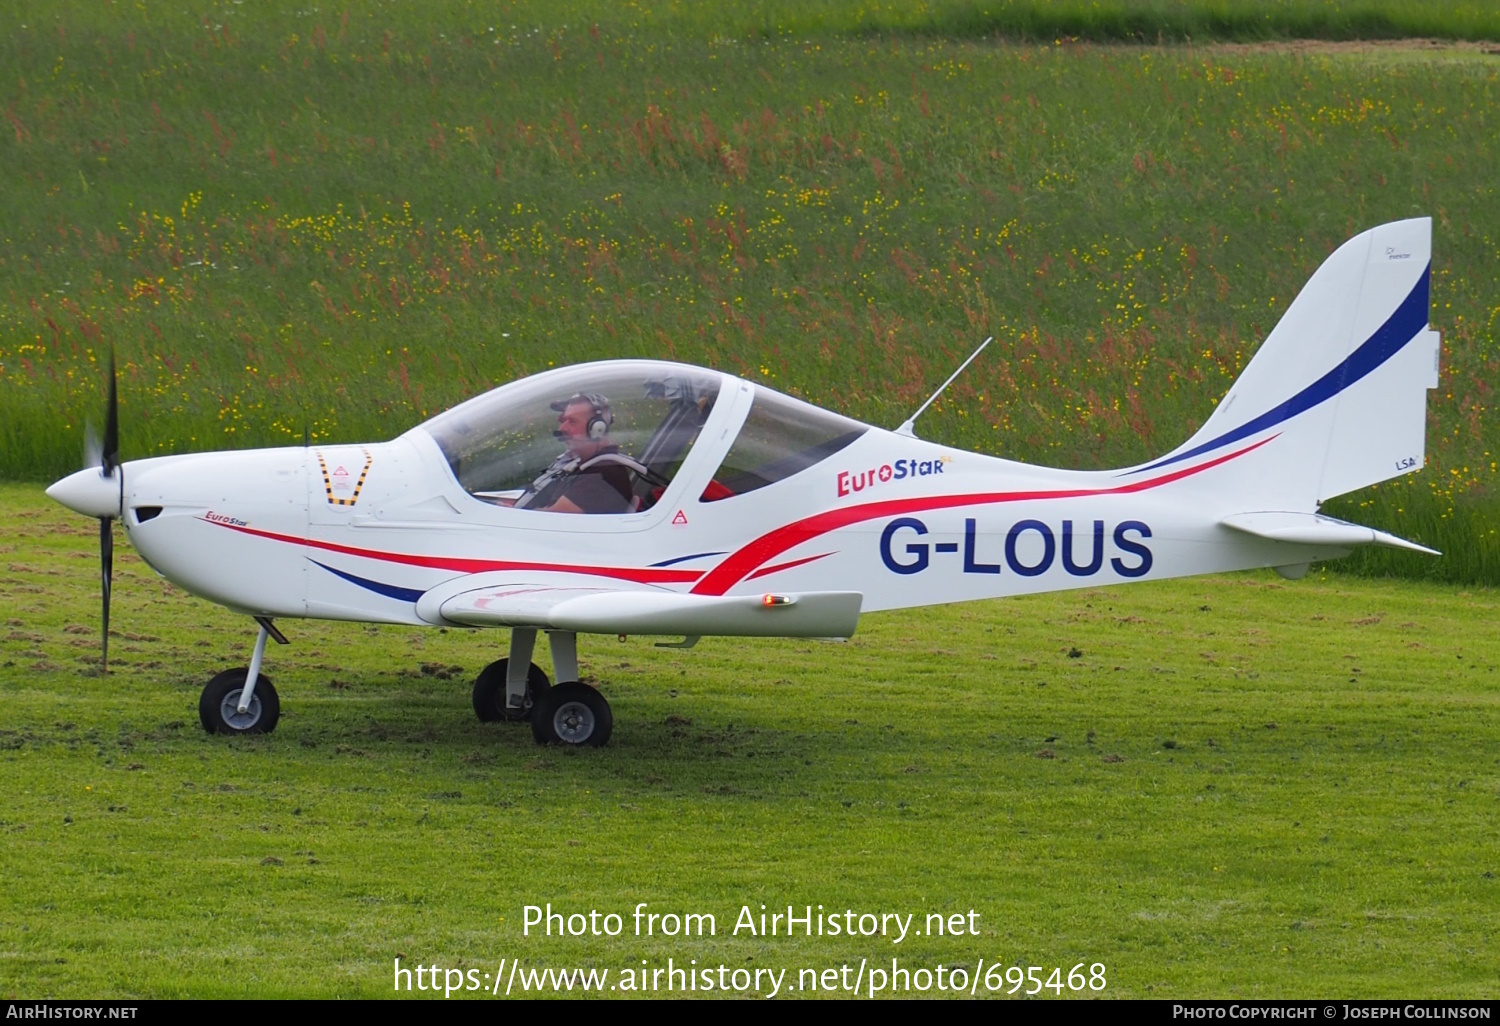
583,422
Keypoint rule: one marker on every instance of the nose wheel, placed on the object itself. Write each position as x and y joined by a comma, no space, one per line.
219,705
242,701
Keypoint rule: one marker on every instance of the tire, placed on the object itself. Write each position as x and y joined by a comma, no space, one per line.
217,706
572,714
489,692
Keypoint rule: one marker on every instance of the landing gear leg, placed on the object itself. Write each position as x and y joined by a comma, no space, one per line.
252,675
572,713
242,701
499,693
522,642
564,645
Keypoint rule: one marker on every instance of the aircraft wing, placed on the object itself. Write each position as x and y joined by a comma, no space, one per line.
586,609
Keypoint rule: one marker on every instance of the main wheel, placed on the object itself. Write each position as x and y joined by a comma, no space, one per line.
489,692
218,706
572,714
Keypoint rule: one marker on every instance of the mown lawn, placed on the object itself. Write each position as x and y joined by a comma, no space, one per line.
1229,786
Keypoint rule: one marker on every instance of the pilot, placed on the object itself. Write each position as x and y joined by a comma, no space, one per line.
592,476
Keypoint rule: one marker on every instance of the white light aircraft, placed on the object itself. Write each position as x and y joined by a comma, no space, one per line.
640,497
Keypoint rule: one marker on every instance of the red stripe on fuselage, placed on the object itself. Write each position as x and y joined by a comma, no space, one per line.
763,571
744,562
641,575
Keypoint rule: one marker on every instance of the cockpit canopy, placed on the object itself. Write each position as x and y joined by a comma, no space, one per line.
523,444
643,414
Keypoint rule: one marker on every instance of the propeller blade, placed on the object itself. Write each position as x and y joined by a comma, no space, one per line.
111,455
93,448
107,573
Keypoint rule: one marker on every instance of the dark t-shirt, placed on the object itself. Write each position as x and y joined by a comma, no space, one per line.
604,487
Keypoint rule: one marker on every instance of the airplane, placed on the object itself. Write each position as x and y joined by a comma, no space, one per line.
644,497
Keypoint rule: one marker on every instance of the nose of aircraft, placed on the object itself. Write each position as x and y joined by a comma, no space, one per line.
90,492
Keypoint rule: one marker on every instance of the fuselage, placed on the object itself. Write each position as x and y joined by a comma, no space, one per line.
363,532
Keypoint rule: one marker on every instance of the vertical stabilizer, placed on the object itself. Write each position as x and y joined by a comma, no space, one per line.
1341,382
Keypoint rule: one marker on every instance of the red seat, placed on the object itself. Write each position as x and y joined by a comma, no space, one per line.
714,492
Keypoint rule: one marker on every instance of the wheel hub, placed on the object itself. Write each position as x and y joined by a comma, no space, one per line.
229,709
574,723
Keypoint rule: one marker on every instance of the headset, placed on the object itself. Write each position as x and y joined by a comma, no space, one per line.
600,420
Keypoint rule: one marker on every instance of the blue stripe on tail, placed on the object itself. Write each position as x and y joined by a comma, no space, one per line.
1389,339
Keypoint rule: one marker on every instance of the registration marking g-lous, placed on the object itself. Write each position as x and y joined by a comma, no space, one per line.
1049,548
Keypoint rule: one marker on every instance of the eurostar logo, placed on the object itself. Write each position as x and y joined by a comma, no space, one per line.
851,481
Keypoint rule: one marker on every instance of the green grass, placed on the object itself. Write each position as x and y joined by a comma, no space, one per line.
282,220
1139,20
1033,20
1238,787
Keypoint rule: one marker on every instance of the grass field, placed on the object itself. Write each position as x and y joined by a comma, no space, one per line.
283,218
1238,786
1115,20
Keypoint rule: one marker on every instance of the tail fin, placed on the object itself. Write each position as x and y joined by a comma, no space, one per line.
1342,379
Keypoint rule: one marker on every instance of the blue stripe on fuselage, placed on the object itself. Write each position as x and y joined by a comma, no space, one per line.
388,590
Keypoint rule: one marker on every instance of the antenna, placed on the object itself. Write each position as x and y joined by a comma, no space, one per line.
906,428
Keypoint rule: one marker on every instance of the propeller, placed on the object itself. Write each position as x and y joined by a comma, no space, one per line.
105,454
98,490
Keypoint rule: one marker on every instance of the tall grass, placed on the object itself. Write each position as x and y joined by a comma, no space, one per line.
1148,20
291,219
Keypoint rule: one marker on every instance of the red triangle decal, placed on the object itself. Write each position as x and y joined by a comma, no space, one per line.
680,518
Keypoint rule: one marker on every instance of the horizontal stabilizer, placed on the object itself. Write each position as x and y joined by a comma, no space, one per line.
1316,529
809,614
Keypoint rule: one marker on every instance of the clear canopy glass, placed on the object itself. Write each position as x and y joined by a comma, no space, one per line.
628,424
782,436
